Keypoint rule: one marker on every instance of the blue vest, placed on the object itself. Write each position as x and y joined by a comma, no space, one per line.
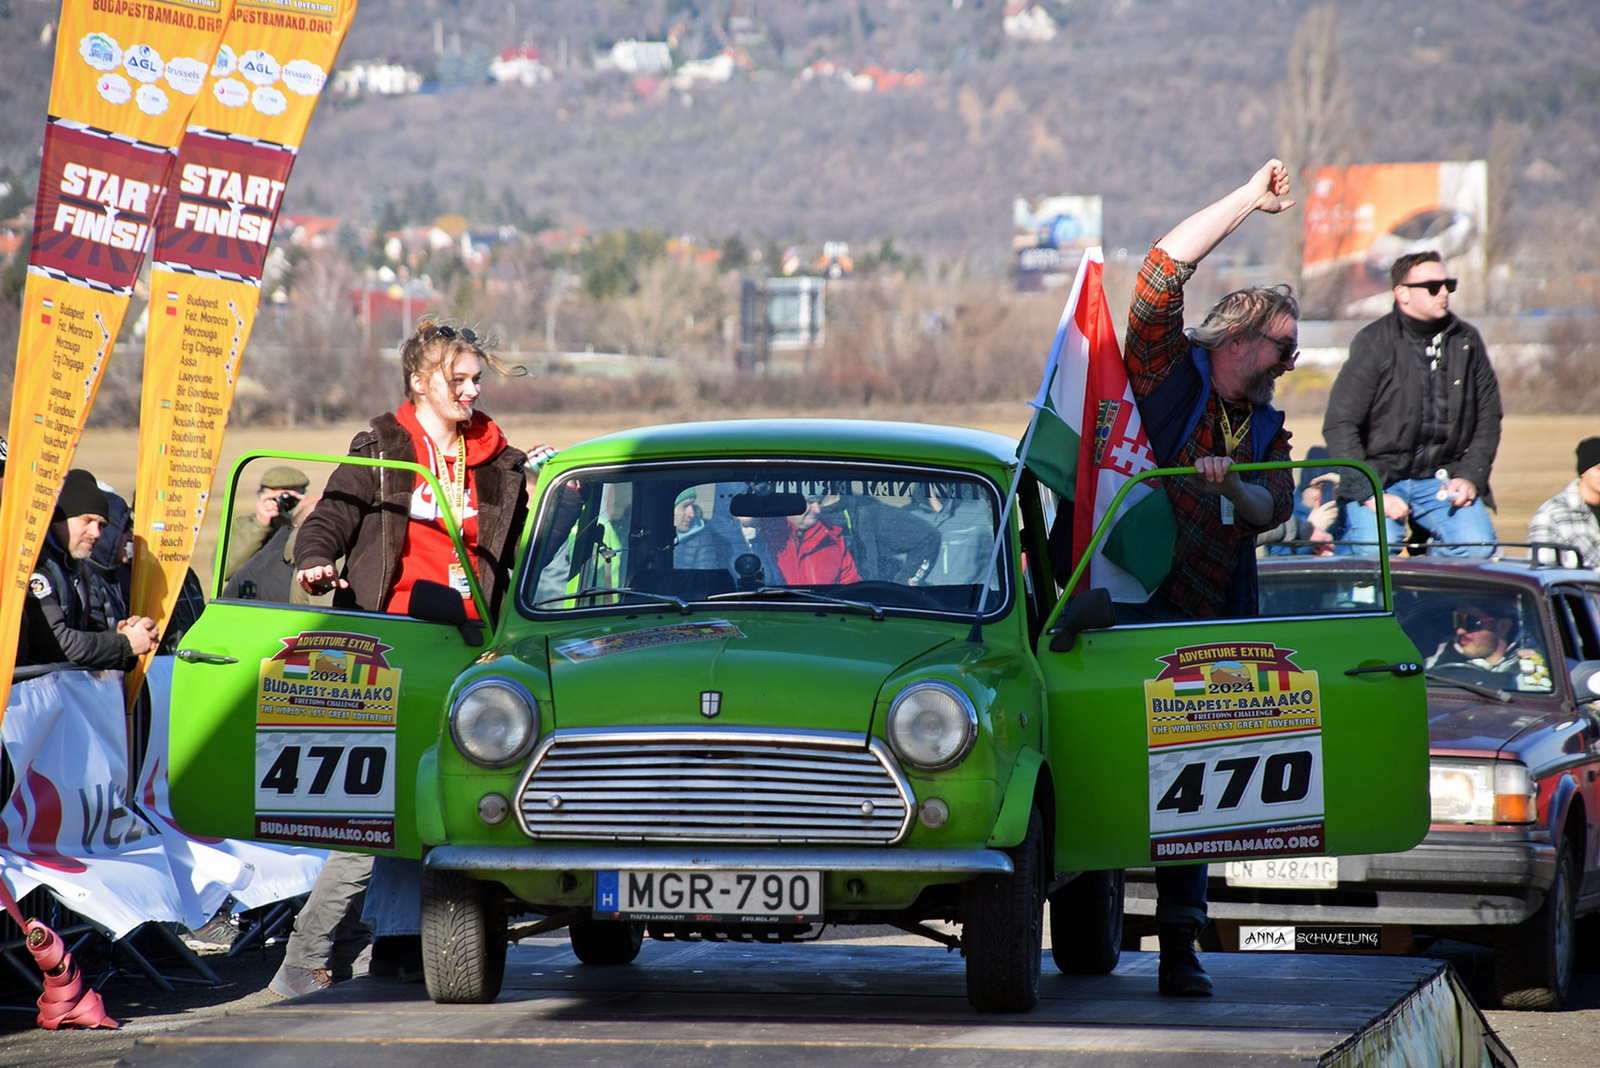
1172,411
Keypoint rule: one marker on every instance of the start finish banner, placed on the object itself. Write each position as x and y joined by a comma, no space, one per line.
211,240
126,77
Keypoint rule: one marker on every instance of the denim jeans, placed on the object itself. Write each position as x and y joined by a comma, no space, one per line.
1469,527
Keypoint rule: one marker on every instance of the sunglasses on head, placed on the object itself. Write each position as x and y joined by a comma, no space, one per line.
1288,347
1432,285
450,333
1470,621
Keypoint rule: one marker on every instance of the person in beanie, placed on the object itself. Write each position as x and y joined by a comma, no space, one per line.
1572,517
81,615
248,532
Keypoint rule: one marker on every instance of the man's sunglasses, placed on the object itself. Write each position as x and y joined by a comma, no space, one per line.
450,333
1467,621
1432,285
1288,347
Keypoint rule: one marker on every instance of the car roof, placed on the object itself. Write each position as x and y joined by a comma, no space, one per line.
821,438
1517,569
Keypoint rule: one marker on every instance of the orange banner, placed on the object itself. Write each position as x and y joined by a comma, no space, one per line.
126,77
210,245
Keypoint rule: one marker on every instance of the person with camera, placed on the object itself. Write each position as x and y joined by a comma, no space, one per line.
280,493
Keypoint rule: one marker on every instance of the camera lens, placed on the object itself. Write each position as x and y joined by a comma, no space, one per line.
286,503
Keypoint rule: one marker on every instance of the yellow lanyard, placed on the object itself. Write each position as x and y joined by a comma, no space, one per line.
456,487
1232,436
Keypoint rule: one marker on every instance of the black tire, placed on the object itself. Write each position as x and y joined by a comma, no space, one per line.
463,938
1002,931
1086,923
602,942
1533,961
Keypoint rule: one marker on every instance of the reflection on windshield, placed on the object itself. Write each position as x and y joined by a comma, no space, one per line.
1483,635
896,538
1474,632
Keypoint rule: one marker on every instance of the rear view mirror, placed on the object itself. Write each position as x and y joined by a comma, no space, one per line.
766,505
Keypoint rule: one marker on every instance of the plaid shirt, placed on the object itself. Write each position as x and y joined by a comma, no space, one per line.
1566,519
1207,551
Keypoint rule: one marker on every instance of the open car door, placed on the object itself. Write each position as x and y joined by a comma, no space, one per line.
305,724
1299,732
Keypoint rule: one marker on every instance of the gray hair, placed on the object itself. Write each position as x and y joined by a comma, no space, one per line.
1244,311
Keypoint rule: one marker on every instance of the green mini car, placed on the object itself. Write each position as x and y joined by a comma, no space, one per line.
757,677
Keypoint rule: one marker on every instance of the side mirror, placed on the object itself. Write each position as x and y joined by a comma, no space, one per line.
1092,609
434,602
1585,676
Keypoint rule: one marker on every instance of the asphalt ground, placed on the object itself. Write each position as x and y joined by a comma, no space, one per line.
1538,1040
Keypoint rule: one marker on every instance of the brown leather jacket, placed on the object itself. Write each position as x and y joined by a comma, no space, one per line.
363,514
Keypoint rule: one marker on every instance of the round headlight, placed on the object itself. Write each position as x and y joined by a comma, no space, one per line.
932,724
494,723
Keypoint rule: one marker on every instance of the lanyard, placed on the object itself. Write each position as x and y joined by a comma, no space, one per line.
1231,435
456,486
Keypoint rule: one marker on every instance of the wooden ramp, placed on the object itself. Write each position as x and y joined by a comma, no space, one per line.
848,1004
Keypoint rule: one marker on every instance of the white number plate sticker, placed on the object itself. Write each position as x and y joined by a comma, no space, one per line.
697,895
1304,872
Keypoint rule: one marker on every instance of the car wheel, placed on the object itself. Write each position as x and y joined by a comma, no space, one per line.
606,941
1086,923
1533,960
463,938
1002,930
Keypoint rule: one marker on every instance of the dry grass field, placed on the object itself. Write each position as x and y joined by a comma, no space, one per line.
1535,460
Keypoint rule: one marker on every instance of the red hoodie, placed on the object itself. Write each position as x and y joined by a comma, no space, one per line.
428,552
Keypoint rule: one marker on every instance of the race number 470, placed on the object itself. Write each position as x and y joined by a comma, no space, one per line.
311,771
1234,784
321,770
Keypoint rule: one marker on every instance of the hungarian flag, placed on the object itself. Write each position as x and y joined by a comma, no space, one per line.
1087,441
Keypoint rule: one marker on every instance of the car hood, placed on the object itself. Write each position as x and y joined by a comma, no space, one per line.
775,669
1474,723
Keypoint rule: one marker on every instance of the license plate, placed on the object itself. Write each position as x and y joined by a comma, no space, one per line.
1303,872
698,895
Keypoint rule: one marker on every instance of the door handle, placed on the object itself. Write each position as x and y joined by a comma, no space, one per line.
1405,669
195,656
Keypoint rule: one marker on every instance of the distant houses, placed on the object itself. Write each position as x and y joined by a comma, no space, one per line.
376,78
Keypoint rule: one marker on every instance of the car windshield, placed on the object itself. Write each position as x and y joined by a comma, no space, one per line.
1477,633
765,533
1474,632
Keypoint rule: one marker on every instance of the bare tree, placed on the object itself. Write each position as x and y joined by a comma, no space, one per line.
1316,127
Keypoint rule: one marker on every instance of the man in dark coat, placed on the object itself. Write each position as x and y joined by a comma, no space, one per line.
1419,402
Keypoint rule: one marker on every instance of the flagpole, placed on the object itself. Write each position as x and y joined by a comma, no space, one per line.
1038,403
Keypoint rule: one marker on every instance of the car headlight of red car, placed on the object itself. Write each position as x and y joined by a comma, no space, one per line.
494,722
932,724
1480,791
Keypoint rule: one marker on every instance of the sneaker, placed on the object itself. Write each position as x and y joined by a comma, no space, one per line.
219,932
292,982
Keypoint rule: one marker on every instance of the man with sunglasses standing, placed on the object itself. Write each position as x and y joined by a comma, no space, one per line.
1419,402
1205,398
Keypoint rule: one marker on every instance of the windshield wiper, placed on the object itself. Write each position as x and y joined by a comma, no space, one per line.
781,592
601,591
1471,687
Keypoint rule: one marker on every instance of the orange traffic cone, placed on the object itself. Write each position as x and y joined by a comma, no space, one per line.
65,1001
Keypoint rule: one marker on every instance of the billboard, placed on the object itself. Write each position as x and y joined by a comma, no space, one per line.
1360,219
1048,236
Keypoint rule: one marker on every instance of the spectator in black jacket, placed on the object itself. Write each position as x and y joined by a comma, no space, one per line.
82,618
1419,402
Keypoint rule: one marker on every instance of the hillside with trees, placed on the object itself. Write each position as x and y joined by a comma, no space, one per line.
1157,105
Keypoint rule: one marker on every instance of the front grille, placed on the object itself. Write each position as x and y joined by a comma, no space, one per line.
798,788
